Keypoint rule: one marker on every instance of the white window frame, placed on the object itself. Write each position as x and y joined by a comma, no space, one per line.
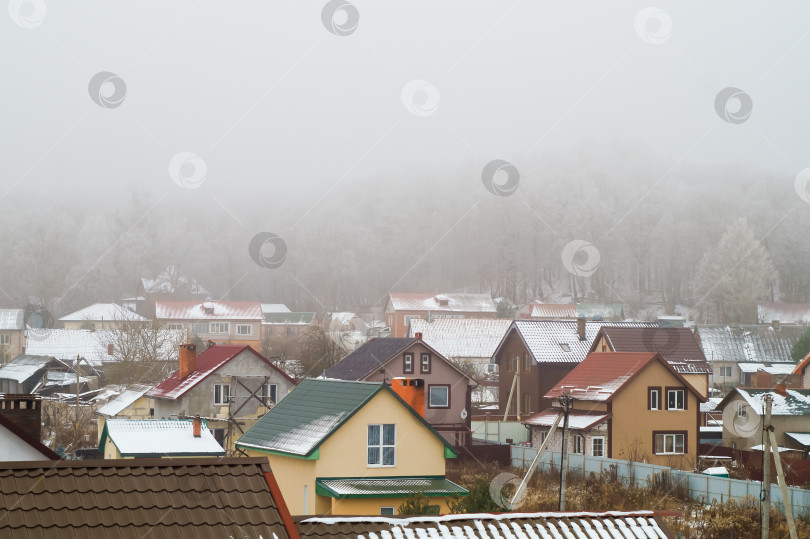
601,440
657,404
579,444
674,439
266,392
217,326
240,327
174,326
197,326
5,339
682,406
446,394
725,371
218,393
407,365
742,410
381,446
424,361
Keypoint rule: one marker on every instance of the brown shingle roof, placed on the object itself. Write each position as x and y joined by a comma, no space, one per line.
678,346
155,498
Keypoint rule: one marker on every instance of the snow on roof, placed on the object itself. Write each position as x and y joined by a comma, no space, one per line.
161,437
481,303
66,344
21,368
785,313
124,400
749,343
554,310
462,338
343,317
772,368
802,438
576,420
545,338
208,310
710,405
794,402
12,319
103,311
274,308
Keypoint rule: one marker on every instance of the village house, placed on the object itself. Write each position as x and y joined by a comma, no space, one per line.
743,413
446,391
536,354
101,316
155,498
677,346
230,386
28,373
98,347
281,325
158,438
222,322
784,313
12,334
131,403
801,372
538,310
629,406
731,349
351,448
169,285
21,429
401,308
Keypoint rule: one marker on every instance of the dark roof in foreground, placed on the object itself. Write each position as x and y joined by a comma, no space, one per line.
154,498
369,357
608,525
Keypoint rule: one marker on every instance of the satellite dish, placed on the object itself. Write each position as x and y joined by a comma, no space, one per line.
741,426
464,414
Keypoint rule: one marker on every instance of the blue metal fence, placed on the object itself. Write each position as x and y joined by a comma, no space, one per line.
699,487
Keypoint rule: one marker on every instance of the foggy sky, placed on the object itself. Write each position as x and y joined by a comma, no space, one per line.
277,106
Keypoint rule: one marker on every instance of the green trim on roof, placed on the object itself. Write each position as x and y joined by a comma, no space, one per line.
439,487
449,453
314,455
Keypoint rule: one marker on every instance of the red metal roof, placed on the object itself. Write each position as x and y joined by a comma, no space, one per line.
207,362
601,375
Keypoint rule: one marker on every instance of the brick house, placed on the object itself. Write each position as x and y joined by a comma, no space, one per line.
400,308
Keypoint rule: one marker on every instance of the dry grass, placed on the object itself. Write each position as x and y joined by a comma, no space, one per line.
603,493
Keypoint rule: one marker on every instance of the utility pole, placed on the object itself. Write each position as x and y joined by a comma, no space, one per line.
565,401
766,469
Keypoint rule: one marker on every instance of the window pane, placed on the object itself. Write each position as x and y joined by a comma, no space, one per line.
373,455
373,435
388,434
669,445
438,396
679,443
388,456
659,443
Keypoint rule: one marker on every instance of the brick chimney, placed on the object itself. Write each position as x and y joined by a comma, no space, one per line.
25,411
781,390
188,359
418,335
196,426
110,349
581,328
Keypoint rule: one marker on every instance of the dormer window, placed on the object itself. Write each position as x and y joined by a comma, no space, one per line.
565,347
208,308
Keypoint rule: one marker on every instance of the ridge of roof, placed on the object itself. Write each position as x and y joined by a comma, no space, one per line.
27,438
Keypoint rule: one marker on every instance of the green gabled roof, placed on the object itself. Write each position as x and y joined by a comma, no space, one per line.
387,487
288,318
313,411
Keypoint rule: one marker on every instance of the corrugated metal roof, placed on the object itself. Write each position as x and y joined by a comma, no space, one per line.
462,338
197,498
393,487
577,419
288,319
369,357
785,313
795,402
480,303
771,368
207,363
274,308
557,341
571,525
122,401
12,319
21,368
208,310
677,346
103,311
159,437
66,344
753,343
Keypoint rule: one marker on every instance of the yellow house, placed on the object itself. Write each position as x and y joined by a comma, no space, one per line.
351,448
132,403
157,438
627,406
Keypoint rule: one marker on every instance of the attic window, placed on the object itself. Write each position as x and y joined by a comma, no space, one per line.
208,308
565,347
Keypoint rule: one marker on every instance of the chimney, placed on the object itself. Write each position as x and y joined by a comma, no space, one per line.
581,328
188,359
418,335
196,426
25,411
412,391
781,390
775,324
110,349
